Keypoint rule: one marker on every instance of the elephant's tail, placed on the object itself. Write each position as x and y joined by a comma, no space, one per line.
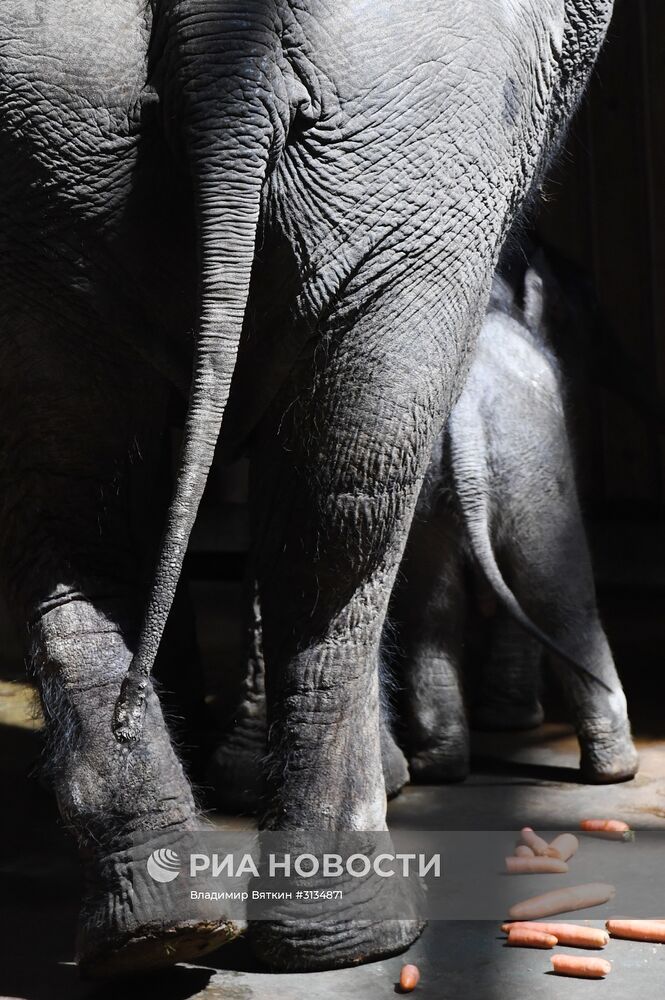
227,131
472,488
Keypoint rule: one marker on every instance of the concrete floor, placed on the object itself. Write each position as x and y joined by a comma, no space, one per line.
516,780
520,779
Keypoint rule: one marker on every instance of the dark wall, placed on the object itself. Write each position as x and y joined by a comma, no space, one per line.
606,211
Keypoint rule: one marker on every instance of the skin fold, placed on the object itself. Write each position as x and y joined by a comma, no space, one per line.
290,212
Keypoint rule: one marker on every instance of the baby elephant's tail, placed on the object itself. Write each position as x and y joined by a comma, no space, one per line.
472,488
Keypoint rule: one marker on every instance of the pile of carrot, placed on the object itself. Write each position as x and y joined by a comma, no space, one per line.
533,855
547,935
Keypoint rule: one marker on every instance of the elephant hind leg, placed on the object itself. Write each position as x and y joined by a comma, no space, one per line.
553,581
120,802
78,438
336,473
511,680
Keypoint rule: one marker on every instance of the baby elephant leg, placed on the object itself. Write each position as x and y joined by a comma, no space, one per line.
511,680
607,751
557,592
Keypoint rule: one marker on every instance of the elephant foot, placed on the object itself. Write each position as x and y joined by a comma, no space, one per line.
132,923
501,716
234,773
607,752
443,764
121,801
153,947
301,946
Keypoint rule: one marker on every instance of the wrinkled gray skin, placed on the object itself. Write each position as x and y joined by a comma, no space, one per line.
500,495
498,523
309,196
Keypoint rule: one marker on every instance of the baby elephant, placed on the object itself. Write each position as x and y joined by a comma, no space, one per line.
500,499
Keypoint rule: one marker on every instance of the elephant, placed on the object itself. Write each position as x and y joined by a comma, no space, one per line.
500,502
286,214
497,524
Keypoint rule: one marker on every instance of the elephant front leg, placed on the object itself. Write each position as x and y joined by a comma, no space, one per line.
428,606
234,770
335,480
395,768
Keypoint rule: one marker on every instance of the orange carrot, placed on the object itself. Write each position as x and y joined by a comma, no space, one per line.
587,968
534,865
570,935
565,845
612,825
409,978
525,938
576,897
522,851
638,930
614,829
539,846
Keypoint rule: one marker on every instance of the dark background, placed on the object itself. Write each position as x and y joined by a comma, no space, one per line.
606,212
